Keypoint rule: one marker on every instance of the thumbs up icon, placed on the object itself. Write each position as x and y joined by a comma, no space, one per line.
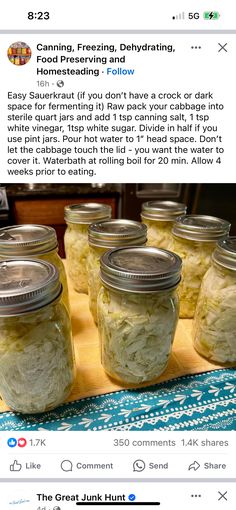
16,466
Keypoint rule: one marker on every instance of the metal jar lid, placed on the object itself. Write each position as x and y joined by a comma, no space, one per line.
87,213
225,253
27,240
27,285
162,210
140,270
197,227
113,233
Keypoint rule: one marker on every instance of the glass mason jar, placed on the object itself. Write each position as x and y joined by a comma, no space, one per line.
78,218
214,326
137,312
195,237
36,352
33,241
159,216
105,236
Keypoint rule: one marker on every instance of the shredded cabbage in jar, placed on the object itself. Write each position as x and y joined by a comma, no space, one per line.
214,324
54,258
159,233
196,257
36,359
94,281
76,248
136,333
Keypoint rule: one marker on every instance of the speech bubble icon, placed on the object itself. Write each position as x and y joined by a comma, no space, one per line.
66,465
139,465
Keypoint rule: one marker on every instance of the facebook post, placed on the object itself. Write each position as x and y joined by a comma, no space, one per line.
89,108
117,255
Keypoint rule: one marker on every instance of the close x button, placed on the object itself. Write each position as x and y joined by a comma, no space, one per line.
222,47
222,496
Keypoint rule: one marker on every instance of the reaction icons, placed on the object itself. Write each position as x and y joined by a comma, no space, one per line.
12,442
19,53
22,442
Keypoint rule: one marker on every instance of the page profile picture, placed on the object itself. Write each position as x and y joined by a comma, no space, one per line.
19,53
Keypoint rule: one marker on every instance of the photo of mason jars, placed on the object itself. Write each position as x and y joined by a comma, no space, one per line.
113,288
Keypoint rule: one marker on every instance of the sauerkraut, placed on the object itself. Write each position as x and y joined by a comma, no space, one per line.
196,257
159,233
54,258
94,281
36,359
214,327
76,248
136,333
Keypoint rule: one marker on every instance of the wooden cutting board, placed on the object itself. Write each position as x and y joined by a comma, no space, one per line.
91,378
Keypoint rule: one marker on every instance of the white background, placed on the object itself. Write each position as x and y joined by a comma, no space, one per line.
206,70
121,15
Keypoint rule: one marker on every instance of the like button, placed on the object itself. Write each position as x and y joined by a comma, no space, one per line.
16,466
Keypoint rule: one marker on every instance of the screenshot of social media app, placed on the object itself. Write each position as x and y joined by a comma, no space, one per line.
117,255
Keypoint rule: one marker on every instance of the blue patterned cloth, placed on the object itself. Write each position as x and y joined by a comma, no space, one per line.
194,402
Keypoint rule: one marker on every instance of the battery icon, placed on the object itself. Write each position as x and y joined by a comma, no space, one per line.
211,15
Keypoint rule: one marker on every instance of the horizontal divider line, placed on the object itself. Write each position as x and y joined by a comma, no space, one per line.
121,31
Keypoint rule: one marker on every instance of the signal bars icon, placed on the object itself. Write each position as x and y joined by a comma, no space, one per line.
181,15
